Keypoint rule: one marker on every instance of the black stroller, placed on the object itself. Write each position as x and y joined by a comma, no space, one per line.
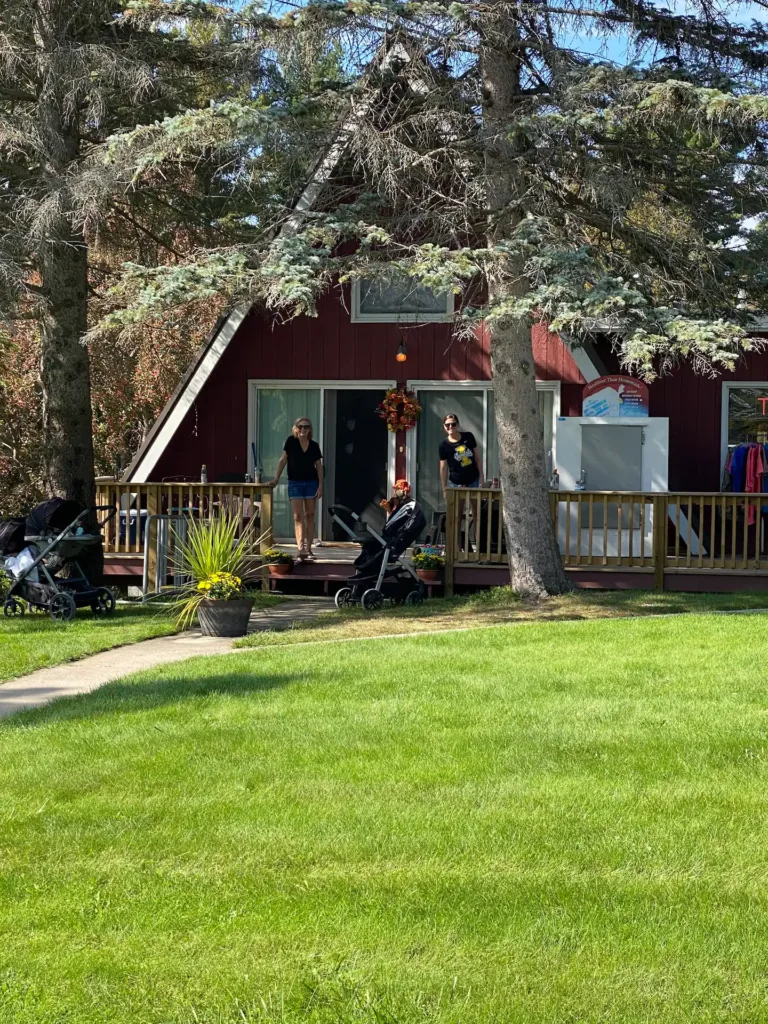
53,536
379,573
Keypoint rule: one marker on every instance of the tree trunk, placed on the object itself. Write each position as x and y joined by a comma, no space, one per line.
65,373
535,564
65,366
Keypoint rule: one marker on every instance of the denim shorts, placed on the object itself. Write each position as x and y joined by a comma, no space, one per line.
302,488
475,483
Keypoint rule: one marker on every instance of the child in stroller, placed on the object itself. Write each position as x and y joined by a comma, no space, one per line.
36,549
379,572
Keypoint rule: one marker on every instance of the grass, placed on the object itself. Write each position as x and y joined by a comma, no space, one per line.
497,606
35,641
547,822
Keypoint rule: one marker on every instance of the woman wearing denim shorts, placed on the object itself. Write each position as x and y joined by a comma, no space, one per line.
305,482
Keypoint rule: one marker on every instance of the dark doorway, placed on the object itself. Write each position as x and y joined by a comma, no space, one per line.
359,442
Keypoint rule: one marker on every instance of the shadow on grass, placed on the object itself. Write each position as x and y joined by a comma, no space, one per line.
168,688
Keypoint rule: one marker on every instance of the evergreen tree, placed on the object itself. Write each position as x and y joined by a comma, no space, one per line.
495,156
72,76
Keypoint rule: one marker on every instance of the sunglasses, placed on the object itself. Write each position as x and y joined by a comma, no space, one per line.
449,425
303,426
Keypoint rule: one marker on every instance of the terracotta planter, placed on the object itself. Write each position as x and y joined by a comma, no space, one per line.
225,618
429,575
280,568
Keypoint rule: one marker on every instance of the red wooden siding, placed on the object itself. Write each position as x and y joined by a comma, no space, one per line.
331,347
693,405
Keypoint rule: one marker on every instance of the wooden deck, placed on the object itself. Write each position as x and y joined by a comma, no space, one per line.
611,539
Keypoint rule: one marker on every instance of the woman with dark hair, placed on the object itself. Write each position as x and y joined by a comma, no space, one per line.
460,461
305,482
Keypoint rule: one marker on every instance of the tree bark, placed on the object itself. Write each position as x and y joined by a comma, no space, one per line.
536,567
68,462
63,254
65,373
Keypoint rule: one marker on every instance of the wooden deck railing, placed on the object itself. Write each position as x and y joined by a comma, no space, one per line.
648,532
138,503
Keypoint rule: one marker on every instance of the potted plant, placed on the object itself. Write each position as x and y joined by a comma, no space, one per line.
278,562
218,565
428,567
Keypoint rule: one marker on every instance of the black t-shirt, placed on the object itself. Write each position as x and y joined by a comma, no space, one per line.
460,456
301,464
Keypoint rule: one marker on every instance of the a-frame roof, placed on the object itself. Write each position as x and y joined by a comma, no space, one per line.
395,52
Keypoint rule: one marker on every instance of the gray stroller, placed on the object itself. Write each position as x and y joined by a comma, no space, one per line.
54,534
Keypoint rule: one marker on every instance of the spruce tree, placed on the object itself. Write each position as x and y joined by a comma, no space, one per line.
72,76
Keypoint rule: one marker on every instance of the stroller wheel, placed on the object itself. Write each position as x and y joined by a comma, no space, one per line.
12,607
414,598
104,603
62,607
343,598
372,600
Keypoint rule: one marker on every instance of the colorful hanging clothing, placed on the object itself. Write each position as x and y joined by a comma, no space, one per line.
737,467
754,475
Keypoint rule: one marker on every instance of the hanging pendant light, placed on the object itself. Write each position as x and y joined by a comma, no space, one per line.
402,353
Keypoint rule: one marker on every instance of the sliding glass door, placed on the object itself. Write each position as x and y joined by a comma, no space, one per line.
276,410
468,405
475,410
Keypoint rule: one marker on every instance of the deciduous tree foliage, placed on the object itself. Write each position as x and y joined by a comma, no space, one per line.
493,150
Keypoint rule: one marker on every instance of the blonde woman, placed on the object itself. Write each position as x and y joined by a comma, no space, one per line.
305,482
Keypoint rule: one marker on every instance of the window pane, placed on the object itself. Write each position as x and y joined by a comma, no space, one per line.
401,296
747,415
468,406
276,410
546,411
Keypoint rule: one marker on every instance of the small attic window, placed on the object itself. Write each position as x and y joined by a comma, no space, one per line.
398,301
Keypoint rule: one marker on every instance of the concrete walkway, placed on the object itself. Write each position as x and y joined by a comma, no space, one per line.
75,677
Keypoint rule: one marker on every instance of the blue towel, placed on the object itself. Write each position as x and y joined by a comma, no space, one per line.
739,468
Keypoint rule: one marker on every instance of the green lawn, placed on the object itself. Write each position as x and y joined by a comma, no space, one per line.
34,641
560,822
499,605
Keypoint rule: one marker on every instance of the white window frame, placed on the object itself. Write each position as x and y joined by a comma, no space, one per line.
398,318
322,386
473,385
725,402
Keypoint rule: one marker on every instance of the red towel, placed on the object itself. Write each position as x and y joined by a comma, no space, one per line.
755,471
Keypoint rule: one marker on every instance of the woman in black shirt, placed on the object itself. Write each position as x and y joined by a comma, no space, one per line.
305,482
460,461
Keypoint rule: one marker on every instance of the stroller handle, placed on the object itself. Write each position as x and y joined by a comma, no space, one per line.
111,509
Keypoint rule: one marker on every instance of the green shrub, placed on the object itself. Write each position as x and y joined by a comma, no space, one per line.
276,556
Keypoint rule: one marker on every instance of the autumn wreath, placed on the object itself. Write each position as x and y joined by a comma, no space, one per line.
400,409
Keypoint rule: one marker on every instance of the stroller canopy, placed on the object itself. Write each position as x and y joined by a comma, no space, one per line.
404,526
11,536
52,516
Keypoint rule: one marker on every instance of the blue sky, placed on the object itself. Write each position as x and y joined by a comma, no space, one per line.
617,47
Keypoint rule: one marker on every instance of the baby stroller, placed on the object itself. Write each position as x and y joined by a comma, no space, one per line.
379,573
55,537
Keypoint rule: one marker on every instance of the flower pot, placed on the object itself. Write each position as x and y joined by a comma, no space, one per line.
429,575
225,618
280,568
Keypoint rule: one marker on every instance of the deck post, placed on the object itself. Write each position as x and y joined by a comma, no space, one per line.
659,539
450,540
265,520
153,508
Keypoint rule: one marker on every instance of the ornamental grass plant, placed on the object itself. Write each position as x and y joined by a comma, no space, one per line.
218,561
